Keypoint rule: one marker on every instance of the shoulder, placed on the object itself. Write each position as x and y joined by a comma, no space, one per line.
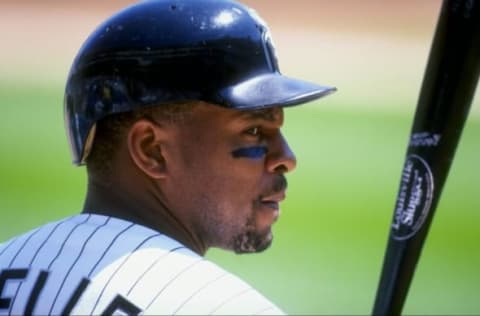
158,279
91,264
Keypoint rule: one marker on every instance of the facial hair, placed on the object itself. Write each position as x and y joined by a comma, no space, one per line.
251,240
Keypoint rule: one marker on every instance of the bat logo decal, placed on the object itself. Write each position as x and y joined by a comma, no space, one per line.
414,198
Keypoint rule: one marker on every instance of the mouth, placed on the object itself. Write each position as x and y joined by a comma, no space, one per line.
273,201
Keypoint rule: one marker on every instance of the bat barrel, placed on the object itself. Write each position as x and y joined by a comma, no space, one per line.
445,97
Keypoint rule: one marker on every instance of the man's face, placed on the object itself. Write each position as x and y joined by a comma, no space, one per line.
226,172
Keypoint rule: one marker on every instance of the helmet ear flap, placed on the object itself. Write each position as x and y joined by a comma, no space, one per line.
105,95
88,100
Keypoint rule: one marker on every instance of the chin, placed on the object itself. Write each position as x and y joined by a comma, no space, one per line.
252,242
264,246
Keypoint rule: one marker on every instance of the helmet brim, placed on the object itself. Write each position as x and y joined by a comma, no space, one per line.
272,90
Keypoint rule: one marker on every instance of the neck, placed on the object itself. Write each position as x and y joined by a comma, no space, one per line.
141,205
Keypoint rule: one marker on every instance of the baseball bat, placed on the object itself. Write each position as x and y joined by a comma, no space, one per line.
446,94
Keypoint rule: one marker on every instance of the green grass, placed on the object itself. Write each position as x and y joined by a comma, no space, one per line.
331,236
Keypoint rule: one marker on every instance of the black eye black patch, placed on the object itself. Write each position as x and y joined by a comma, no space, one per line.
255,152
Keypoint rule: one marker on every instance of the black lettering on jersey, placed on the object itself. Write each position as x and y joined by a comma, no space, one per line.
75,296
6,275
121,304
37,288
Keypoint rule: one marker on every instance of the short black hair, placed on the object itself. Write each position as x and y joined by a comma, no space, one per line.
111,130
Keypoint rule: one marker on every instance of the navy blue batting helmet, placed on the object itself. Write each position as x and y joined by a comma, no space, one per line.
164,51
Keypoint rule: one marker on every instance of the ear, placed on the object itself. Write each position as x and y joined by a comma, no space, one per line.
144,142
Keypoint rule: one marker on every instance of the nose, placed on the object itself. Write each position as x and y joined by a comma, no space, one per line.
281,158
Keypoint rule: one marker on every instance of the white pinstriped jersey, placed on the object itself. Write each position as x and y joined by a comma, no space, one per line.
92,264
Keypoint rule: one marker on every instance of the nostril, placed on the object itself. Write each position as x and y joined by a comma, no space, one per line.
281,169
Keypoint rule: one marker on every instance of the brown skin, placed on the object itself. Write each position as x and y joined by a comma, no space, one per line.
184,181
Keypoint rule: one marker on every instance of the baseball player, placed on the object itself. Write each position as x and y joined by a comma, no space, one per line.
175,108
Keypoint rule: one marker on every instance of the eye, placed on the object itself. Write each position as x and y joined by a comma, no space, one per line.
254,131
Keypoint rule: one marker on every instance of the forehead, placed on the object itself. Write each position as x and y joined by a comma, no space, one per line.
270,114
211,112
206,115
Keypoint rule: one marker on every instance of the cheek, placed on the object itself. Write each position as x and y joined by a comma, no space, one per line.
233,179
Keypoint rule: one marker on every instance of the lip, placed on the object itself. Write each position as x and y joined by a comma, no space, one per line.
273,201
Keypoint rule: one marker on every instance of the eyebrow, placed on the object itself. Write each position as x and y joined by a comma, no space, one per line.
263,114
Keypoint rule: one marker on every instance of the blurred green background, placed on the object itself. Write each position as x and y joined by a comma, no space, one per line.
331,236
